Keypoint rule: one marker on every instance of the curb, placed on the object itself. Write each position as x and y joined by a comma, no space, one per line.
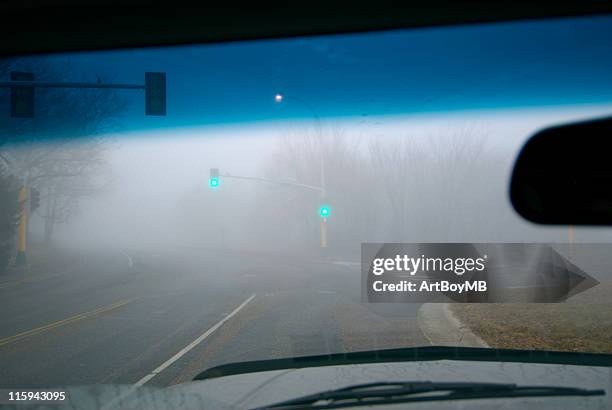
442,328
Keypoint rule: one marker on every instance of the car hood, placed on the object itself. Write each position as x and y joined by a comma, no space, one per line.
257,389
264,388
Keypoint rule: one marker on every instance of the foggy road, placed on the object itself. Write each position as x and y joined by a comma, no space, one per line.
160,318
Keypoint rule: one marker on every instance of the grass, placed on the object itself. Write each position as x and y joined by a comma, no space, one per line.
582,324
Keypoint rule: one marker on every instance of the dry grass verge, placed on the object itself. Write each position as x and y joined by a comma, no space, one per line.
584,323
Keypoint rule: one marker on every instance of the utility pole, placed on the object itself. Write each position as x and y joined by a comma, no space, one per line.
279,98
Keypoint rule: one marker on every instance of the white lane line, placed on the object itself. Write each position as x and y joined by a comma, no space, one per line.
193,344
129,258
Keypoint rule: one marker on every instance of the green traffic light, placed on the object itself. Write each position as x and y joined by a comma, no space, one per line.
214,182
324,211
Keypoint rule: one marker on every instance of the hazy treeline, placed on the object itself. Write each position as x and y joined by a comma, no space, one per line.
414,188
42,152
447,186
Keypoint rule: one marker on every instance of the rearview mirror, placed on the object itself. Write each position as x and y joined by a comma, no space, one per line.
563,175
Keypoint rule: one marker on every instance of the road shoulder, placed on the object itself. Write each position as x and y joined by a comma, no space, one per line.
442,327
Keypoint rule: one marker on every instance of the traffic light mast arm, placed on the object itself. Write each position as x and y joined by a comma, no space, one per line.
50,84
22,87
271,181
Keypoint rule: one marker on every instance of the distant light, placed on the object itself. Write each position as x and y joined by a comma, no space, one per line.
214,182
278,98
324,211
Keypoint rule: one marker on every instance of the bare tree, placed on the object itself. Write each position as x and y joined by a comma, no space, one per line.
399,167
442,188
43,151
350,191
9,211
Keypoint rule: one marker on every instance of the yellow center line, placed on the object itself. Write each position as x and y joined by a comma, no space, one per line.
63,322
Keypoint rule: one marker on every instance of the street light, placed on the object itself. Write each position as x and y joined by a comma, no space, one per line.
279,98
323,210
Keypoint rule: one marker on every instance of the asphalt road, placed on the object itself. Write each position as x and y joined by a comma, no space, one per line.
159,318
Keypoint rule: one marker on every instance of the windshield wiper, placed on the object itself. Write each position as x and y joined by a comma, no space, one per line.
372,394
411,354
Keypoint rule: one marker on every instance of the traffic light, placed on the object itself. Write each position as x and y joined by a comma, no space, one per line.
34,199
22,97
324,211
214,178
155,93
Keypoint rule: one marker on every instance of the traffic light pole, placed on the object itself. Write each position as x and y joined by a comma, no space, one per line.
20,260
324,233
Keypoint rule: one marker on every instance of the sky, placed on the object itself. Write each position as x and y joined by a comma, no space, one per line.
431,70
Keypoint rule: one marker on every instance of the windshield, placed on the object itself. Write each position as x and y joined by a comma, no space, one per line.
168,210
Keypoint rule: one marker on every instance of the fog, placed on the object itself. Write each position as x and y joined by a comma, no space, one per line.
416,133
119,257
436,178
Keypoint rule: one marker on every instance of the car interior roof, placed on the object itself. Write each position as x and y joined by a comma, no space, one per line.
38,26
